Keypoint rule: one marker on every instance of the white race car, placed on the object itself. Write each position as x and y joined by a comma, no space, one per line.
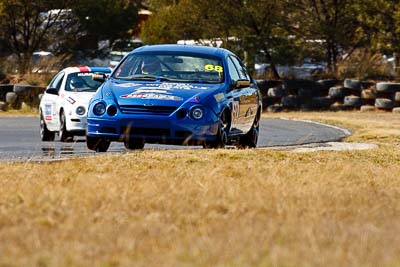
63,106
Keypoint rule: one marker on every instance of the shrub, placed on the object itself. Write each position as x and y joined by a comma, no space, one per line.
363,64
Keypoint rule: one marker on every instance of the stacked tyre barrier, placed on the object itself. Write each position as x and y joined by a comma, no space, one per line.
348,94
15,96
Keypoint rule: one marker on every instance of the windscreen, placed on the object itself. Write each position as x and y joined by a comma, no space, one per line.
176,67
81,82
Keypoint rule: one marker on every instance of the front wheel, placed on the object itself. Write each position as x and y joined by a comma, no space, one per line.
97,144
45,134
65,136
222,133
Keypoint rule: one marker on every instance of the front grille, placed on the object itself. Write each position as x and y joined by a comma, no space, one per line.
108,130
129,130
183,134
147,110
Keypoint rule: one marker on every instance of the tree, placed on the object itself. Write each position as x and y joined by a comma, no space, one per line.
254,25
380,20
106,19
25,27
329,24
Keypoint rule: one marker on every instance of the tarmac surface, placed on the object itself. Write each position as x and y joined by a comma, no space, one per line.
20,141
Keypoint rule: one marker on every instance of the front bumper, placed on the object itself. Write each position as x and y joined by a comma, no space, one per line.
154,129
77,125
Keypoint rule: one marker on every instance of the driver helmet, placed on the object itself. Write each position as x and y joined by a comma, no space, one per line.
151,65
76,83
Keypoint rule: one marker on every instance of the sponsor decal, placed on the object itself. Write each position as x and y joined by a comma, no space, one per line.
47,109
127,85
195,99
48,112
141,90
84,74
71,100
181,86
152,96
219,97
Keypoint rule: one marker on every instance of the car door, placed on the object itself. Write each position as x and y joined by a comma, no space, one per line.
234,96
247,95
50,102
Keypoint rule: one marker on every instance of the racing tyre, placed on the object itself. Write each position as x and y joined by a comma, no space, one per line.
97,144
65,136
352,84
11,97
338,92
250,139
388,87
45,134
3,106
352,101
222,134
290,101
276,92
134,143
397,97
326,84
4,89
384,103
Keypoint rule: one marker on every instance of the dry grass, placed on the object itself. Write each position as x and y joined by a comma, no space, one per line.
208,207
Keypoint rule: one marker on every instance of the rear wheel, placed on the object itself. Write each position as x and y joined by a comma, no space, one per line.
222,133
134,144
250,139
45,134
65,136
97,144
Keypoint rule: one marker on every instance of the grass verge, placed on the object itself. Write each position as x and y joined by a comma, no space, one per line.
210,207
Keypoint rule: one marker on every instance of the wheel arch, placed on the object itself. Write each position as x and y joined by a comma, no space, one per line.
227,109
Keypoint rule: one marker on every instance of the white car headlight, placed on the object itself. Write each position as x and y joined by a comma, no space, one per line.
80,110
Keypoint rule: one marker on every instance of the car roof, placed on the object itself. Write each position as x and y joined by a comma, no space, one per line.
87,69
183,48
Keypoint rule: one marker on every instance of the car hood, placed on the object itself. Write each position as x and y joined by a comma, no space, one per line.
157,93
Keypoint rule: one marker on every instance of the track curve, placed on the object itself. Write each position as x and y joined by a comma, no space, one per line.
20,141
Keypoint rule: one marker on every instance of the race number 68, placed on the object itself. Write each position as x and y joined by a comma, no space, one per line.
210,67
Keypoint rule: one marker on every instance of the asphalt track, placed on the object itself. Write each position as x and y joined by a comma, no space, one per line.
20,141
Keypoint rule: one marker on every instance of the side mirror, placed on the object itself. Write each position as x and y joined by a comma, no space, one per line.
242,83
99,77
52,91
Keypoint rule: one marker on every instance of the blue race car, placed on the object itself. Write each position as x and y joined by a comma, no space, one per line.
176,94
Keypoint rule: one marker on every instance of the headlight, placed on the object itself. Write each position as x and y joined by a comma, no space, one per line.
111,110
197,113
99,109
80,110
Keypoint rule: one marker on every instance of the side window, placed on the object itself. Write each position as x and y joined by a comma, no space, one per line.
56,82
241,68
232,70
